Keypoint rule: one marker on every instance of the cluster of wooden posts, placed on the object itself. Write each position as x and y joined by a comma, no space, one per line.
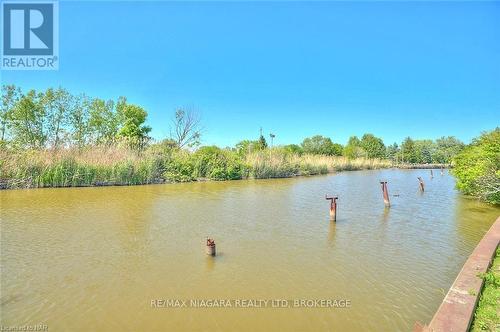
210,245
385,194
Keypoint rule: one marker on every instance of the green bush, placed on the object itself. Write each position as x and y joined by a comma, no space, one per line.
477,168
216,164
179,167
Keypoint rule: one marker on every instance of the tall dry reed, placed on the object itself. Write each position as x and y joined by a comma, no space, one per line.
120,165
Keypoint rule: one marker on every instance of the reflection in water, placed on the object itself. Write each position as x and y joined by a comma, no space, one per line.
85,259
385,214
331,232
210,262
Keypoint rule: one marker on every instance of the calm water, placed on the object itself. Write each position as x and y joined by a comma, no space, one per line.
92,259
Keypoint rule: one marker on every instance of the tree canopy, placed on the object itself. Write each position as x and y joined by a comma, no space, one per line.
353,148
55,118
373,146
321,145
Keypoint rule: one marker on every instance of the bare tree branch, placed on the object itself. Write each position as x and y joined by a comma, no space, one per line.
186,128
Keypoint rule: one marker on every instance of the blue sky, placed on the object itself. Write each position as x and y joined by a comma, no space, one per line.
395,69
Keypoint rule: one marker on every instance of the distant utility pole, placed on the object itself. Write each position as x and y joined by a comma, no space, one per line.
272,138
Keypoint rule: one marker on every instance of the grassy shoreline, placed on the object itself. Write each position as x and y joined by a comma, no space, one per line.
119,166
487,315
423,166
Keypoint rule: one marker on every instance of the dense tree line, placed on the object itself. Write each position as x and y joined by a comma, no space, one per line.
440,151
55,118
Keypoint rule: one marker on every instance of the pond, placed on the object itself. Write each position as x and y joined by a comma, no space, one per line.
104,259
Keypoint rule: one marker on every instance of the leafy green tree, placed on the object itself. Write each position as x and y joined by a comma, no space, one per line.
424,151
373,146
392,152
78,118
477,167
336,149
132,119
321,145
408,152
293,149
353,148
168,144
247,146
103,121
27,121
446,149
10,96
57,104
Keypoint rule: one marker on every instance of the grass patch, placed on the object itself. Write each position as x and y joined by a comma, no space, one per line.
487,315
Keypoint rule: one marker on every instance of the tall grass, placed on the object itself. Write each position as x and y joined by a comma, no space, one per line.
72,168
275,163
119,165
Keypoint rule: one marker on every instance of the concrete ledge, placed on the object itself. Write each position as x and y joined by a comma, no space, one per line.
456,312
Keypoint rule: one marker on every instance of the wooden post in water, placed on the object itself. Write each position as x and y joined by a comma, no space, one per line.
442,170
385,193
432,174
333,207
421,182
210,247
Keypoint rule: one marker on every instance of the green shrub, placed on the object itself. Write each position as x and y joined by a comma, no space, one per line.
179,167
477,168
216,164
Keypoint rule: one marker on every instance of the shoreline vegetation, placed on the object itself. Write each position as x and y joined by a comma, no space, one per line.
53,138
120,165
487,314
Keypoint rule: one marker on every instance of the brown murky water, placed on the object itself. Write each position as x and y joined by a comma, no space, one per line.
93,259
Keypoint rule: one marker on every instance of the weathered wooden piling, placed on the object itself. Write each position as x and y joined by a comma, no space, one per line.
432,174
210,247
385,192
421,183
333,207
